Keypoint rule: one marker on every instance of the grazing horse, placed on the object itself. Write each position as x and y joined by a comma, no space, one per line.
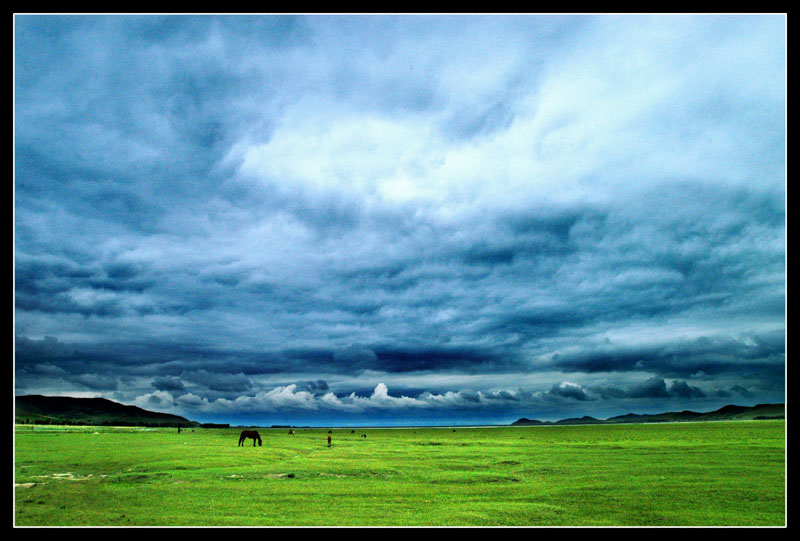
249,434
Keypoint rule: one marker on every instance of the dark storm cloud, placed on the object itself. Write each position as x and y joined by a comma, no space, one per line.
225,382
167,383
652,388
569,390
244,206
314,387
355,355
410,360
741,390
229,370
656,388
96,381
46,349
683,389
755,354
46,286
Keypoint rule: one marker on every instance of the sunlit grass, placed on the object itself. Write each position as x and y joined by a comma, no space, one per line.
727,473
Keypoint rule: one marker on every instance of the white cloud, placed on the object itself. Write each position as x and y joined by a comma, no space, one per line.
157,401
288,398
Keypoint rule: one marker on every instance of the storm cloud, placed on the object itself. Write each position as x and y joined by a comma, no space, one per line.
401,218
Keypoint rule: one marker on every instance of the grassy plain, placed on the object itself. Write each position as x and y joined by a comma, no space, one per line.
716,473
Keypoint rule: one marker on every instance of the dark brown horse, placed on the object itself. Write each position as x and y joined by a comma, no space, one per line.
252,434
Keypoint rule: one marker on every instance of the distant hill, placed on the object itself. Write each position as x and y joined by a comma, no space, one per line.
585,420
725,413
38,409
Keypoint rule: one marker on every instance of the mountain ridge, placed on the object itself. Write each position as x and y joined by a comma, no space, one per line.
725,413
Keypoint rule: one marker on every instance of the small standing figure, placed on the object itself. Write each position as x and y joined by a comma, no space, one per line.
179,430
329,440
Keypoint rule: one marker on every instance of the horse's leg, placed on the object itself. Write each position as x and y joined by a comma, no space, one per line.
254,442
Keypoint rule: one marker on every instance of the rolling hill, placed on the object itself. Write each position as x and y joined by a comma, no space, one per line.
38,409
725,413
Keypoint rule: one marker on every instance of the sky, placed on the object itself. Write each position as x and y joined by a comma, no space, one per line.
401,219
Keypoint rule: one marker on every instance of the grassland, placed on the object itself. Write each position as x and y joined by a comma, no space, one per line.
716,473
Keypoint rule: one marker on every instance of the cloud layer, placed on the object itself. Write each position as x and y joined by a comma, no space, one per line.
497,216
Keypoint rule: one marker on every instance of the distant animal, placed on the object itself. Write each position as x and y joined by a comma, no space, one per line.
352,431
329,441
252,434
363,435
179,430
291,432
329,432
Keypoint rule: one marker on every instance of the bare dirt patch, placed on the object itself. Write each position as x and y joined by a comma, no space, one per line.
69,476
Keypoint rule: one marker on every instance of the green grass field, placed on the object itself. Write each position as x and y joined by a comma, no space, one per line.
720,473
